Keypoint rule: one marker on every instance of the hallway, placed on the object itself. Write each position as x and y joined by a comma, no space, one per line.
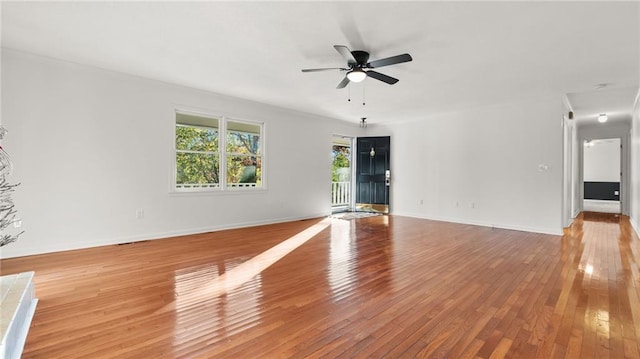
599,302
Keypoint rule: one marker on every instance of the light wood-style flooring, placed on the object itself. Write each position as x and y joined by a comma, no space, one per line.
377,287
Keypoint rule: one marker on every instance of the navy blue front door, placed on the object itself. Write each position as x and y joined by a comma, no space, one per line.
372,166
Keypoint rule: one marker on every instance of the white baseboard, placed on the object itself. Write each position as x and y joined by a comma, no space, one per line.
555,232
635,227
55,246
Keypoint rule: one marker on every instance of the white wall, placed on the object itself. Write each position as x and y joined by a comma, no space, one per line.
634,212
483,166
90,147
602,161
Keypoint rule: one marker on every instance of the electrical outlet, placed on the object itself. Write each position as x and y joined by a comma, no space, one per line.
17,223
140,213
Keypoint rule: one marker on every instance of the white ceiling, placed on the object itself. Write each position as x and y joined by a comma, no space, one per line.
617,103
466,54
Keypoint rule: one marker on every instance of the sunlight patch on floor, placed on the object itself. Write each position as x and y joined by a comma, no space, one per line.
246,271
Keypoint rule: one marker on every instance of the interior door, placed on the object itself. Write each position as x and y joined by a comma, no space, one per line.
373,174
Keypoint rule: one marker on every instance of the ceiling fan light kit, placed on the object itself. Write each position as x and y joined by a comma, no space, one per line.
356,75
359,68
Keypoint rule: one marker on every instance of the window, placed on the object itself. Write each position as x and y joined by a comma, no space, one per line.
244,160
205,160
197,152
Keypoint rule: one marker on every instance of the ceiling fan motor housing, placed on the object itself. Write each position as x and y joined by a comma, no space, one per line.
361,58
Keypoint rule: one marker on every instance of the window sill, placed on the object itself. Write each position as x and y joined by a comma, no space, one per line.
217,192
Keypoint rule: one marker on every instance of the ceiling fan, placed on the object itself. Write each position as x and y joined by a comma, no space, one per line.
359,66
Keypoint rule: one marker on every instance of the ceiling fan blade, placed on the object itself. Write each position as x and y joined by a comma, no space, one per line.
324,69
344,83
382,77
346,53
389,61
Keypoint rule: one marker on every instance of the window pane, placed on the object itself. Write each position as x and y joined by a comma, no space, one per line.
244,127
196,170
197,121
243,138
244,171
341,169
196,139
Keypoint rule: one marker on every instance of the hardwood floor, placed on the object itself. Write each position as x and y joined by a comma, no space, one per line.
375,287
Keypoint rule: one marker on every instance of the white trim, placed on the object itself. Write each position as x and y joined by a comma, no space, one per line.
354,173
222,146
595,132
352,159
229,191
61,247
635,226
567,166
541,230
261,152
575,215
265,167
193,111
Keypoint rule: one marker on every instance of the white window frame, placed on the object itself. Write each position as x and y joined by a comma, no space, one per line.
222,154
225,154
203,186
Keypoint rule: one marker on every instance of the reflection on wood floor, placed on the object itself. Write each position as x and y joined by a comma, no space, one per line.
383,286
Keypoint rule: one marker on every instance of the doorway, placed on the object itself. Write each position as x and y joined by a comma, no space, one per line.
373,174
602,175
341,174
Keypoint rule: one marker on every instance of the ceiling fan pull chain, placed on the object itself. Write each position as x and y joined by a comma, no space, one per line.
349,93
363,103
